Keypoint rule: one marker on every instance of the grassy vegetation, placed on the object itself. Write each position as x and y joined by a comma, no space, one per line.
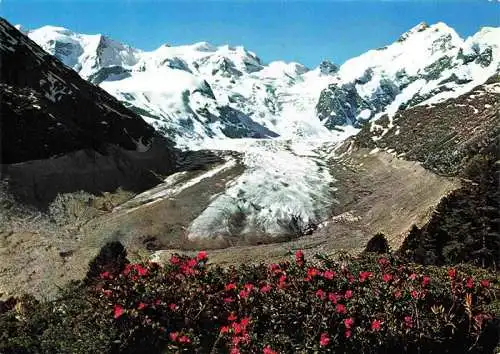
79,207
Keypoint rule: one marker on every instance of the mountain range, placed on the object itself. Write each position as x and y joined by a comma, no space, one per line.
197,93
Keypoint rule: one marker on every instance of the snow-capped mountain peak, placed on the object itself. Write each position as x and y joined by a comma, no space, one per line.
425,27
280,69
203,58
204,47
414,50
426,64
86,54
485,43
20,28
422,26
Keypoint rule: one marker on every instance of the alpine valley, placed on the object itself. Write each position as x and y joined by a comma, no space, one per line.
202,146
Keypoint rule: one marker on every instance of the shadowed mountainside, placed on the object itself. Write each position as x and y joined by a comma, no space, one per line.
62,134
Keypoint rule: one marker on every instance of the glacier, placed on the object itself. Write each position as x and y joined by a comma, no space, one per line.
284,119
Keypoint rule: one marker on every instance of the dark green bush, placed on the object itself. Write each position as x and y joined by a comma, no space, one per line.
377,244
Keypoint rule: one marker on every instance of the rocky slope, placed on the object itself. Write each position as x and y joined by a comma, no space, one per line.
442,136
460,138
60,133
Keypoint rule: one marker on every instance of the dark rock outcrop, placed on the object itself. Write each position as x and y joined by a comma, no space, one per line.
109,73
377,244
341,104
327,67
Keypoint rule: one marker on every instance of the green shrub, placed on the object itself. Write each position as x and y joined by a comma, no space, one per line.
365,305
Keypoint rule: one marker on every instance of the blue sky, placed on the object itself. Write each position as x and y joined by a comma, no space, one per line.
304,31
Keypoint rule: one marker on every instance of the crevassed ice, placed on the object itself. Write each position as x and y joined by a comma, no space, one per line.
283,180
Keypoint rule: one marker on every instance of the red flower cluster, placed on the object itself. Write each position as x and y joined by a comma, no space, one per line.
311,273
333,297
238,330
452,273
202,256
137,270
179,338
190,266
187,268
348,323
340,308
324,339
469,283
268,350
274,268
174,260
387,277
425,281
118,311
282,281
265,288
105,275
376,325
320,294
328,274
408,321
299,258
357,303
173,307
363,276
384,262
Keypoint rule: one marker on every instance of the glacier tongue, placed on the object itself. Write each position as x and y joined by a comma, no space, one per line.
285,187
